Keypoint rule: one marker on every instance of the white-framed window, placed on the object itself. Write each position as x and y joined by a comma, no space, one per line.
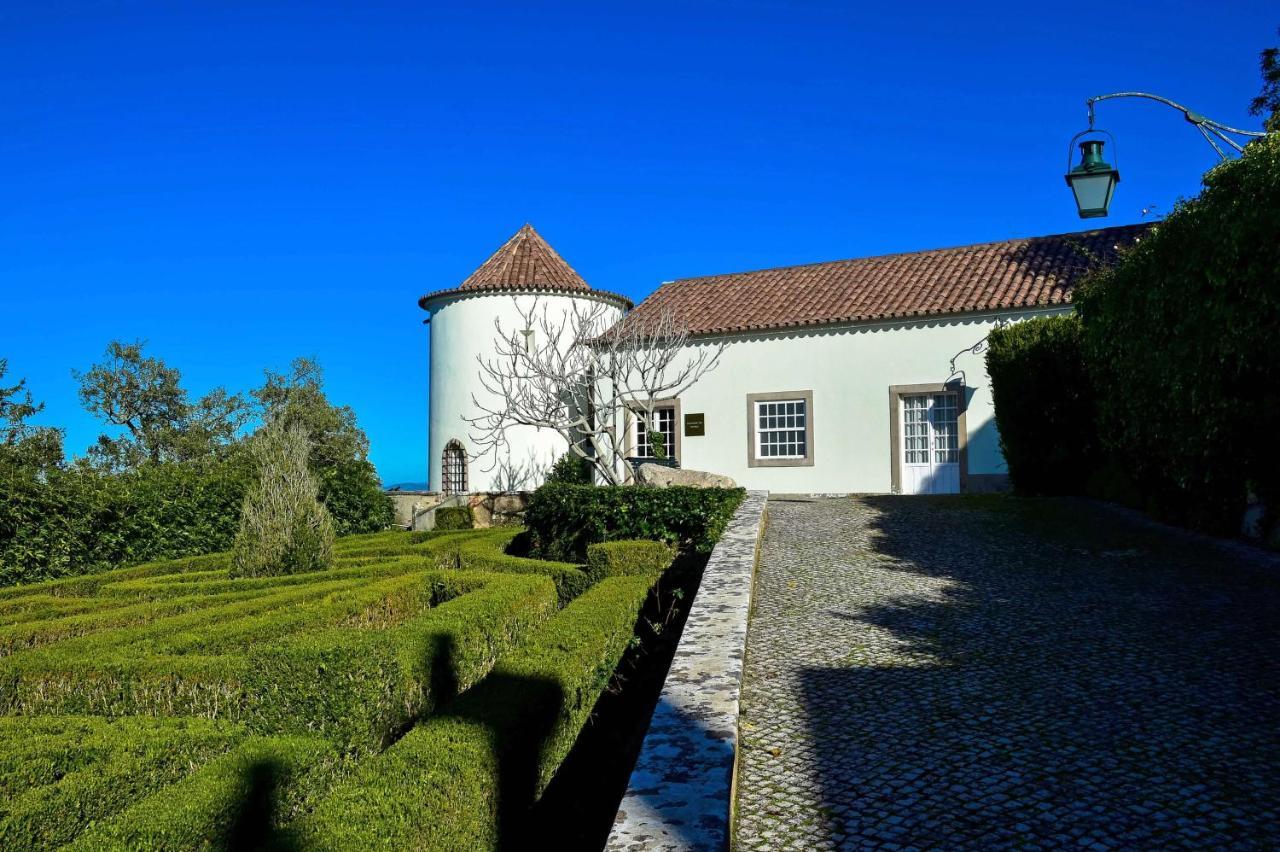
930,430
780,429
943,415
780,426
665,421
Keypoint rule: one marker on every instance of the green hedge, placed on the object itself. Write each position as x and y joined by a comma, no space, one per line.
1180,337
119,763
235,802
338,675
628,558
332,666
1044,403
454,518
23,633
79,520
487,551
89,585
564,519
362,688
440,786
1162,392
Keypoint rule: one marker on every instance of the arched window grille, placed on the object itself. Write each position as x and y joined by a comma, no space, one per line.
453,469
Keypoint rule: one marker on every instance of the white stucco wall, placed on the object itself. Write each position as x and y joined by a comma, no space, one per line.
462,328
849,370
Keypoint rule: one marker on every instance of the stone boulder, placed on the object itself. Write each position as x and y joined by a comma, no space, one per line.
660,476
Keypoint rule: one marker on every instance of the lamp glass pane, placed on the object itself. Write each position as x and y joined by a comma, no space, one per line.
1093,193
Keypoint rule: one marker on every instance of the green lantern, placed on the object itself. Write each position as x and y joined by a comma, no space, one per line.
1093,181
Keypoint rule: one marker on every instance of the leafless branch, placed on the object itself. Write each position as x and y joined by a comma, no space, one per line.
577,373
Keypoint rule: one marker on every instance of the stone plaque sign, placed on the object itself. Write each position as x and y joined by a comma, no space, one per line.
695,425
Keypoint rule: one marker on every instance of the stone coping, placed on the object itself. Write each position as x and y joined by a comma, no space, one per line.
681,789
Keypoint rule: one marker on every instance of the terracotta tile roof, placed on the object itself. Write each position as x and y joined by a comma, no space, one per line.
525,262
990,276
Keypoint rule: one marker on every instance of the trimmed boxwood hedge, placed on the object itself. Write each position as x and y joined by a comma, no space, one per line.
361,687
306,677
628,558
235,802
564,519
441,786
1044,403
354,683
487,551
117,764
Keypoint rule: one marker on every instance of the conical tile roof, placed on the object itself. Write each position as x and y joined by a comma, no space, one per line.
525,262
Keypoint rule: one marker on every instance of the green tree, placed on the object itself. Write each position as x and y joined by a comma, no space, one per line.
298,397
339,456
283,527
35,448
144,396
1267,103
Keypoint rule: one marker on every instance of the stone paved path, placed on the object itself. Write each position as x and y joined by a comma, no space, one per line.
990,672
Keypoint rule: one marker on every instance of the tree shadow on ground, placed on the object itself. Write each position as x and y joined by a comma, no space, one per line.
1047,672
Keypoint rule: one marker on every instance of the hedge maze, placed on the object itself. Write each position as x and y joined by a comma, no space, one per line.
420,694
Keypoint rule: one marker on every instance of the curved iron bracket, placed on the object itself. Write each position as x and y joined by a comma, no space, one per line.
1212,131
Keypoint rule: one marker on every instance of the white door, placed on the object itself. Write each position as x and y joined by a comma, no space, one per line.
930,444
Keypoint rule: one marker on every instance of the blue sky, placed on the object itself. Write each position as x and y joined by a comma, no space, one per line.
241,183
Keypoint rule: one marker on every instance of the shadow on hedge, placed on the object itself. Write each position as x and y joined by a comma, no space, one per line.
252,819
520,713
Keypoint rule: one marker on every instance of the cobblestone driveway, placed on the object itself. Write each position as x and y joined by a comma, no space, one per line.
994,672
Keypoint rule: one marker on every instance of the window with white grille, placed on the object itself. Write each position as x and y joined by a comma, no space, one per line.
781,429
946,437
665,422
929,429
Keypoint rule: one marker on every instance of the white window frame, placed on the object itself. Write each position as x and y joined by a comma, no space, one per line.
755,433
897,429
638,446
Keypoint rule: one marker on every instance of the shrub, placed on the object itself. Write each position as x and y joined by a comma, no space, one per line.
571,469
1180,339
1044,404
283,527
351,491
564,519
329,667
80,520
454,518
626,558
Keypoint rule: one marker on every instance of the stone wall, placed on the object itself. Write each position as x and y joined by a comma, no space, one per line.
680,793
407,505
415,510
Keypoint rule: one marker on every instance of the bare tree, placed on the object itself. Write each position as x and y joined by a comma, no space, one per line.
578,373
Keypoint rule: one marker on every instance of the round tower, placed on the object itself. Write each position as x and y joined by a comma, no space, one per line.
525,271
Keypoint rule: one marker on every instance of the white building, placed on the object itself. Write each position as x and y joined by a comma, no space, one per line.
464,322
860,375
